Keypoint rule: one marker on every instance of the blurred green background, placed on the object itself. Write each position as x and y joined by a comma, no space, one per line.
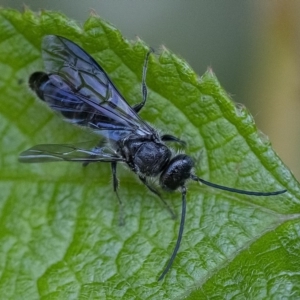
252,46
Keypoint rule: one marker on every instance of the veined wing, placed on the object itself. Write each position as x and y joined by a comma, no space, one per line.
78,80
65,152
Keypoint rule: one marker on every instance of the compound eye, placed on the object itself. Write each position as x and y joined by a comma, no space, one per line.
176,172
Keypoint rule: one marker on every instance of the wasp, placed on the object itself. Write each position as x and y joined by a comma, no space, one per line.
77,87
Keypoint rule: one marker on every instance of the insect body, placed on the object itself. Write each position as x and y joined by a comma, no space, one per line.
78,88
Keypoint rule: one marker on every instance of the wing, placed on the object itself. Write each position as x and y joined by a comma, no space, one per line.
64,152
82,91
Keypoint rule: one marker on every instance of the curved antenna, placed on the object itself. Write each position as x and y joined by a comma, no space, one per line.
225,188
182,221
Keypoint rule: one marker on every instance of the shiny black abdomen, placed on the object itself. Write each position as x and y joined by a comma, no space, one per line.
57,94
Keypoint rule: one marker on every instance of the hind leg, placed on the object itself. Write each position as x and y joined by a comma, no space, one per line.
139,106
115,187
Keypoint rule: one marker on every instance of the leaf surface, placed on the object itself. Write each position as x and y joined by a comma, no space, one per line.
59,236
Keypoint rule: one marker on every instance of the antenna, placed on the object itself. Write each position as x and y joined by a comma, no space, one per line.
183,210
225,188
182,221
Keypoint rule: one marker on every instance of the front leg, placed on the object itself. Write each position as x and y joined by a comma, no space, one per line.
171,138
154,191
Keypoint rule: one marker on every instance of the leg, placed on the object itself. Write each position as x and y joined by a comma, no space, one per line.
154,191
100,145
139,106
85,164
171,138
115,186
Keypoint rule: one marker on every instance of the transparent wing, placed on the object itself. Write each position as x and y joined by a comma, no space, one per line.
65,152
83,92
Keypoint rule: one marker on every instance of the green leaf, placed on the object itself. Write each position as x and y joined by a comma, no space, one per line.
59,236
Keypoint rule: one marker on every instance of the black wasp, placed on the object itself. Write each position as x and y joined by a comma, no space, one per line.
77,87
